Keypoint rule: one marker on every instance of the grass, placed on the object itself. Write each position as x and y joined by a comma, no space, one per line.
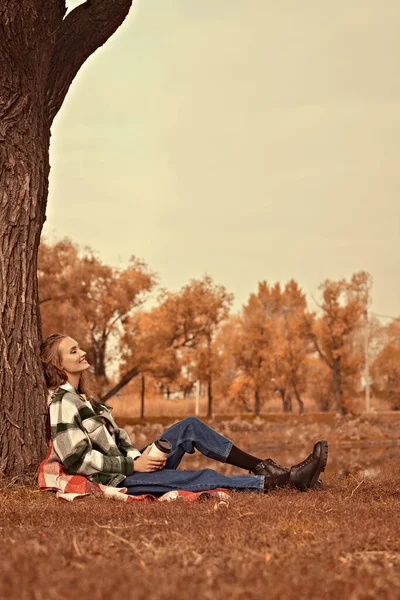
340,542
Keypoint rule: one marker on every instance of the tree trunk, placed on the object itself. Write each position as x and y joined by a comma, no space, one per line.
337,382
285,405
246,405
142,396
298,398
257,403
99,359
23,185
24,164
40,54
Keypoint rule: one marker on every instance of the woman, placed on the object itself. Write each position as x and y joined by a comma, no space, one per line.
88,441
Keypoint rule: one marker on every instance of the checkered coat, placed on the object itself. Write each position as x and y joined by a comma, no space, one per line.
87,440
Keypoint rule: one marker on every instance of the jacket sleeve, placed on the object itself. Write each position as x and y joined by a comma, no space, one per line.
73,445
124,444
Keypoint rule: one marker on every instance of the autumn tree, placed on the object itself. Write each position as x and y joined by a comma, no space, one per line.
41,50
252,347
294,339
112,295
89,299
213,303
155,341
320,383
225,383
62,288
343,307
271,345
385,369
61,274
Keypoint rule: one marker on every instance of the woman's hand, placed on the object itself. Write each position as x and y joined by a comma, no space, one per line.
147,464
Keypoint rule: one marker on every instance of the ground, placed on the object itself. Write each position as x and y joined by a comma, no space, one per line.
342,541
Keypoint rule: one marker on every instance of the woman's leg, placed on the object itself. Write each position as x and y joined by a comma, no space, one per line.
193,481
190,434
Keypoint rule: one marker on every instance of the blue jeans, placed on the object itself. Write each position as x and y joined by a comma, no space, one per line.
186,436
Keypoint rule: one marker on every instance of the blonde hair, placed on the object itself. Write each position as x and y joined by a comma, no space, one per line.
54,373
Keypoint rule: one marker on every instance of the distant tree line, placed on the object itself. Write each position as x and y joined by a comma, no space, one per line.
274,346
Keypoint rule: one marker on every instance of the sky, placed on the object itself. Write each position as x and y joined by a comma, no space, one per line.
251,141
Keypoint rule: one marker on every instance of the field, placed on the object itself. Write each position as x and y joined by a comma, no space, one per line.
128,406
342,541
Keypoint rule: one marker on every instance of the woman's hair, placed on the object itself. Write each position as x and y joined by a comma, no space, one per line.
52,367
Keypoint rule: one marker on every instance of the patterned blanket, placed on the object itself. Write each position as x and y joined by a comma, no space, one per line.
52,477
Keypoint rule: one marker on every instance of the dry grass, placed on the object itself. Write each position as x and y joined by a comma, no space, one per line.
341,542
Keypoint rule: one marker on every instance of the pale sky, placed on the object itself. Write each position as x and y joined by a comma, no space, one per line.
247,140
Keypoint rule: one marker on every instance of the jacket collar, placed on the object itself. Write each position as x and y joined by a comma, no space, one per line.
70,388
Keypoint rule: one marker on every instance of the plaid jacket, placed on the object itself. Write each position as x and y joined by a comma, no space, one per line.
84,445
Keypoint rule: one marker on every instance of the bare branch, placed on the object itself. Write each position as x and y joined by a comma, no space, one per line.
318,349
316,345
83,30
122,383
51,298
117,318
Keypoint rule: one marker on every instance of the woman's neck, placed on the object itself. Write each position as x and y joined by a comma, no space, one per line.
74,380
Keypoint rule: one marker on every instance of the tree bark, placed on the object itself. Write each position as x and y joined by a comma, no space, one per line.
40,54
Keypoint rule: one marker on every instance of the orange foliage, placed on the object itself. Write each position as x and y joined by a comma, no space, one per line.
174,341
344,303
274,346
94,298
271,344
386,367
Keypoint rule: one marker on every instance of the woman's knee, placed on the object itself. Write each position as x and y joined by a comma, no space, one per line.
192,421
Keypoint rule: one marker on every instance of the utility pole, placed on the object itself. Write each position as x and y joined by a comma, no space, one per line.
366,370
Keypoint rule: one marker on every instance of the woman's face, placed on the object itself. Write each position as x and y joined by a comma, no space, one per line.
73,358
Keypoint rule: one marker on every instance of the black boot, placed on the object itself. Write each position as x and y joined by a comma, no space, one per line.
305,475
276,481
302,474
